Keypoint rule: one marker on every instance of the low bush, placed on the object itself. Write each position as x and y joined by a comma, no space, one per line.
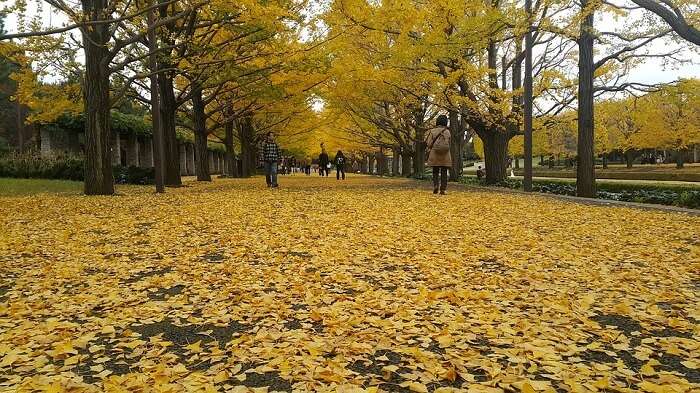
34,166
134,175
65,167
640,193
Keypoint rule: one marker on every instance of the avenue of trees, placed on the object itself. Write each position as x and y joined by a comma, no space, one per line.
222,70
370,77
399,64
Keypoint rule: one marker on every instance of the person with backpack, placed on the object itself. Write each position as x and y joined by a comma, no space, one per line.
339,165
437,143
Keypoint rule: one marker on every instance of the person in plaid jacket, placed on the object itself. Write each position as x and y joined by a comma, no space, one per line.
271,155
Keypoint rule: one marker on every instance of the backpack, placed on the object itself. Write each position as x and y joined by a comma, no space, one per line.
441,145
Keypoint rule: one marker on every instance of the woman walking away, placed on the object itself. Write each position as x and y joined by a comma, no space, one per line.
438,151
339,165
323,161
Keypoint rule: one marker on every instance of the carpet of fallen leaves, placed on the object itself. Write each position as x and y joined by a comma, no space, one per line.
365,285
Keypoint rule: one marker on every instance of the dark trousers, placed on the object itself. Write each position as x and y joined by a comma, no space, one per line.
271,173
338,170
440,178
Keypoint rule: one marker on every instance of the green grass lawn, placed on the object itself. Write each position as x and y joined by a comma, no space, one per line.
20,187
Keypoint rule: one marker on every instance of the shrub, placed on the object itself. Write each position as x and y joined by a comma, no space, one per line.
689,199
4,146
133,175
34,166
65,167
640,193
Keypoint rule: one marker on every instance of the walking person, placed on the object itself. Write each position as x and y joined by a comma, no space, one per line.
271,156
323,162
438,152
339,165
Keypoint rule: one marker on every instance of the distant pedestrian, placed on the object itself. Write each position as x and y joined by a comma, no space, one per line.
339,165
479,173
271,156
438,151
323,162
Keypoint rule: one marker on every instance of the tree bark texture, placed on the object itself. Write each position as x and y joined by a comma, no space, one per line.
201,147
168,110
98,158
585,168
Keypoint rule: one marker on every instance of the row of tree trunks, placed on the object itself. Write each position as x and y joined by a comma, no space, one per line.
96,89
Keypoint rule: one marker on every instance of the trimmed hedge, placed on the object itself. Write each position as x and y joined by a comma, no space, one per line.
134,175
621,175
640,193
33,166
65,167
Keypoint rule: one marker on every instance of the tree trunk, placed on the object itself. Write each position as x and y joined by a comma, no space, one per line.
395,152
516,160
200,136
605,160
528,102
419,154
457,134
495,155
168,110
585,168
385,163
229,156
680,158
629,158
158,143
406,162
246,136
98,158
364,165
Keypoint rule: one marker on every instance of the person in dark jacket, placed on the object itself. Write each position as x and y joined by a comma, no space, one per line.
339,165
323,162
271,156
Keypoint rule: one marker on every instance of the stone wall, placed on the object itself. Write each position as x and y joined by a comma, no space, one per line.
60,142
130,150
